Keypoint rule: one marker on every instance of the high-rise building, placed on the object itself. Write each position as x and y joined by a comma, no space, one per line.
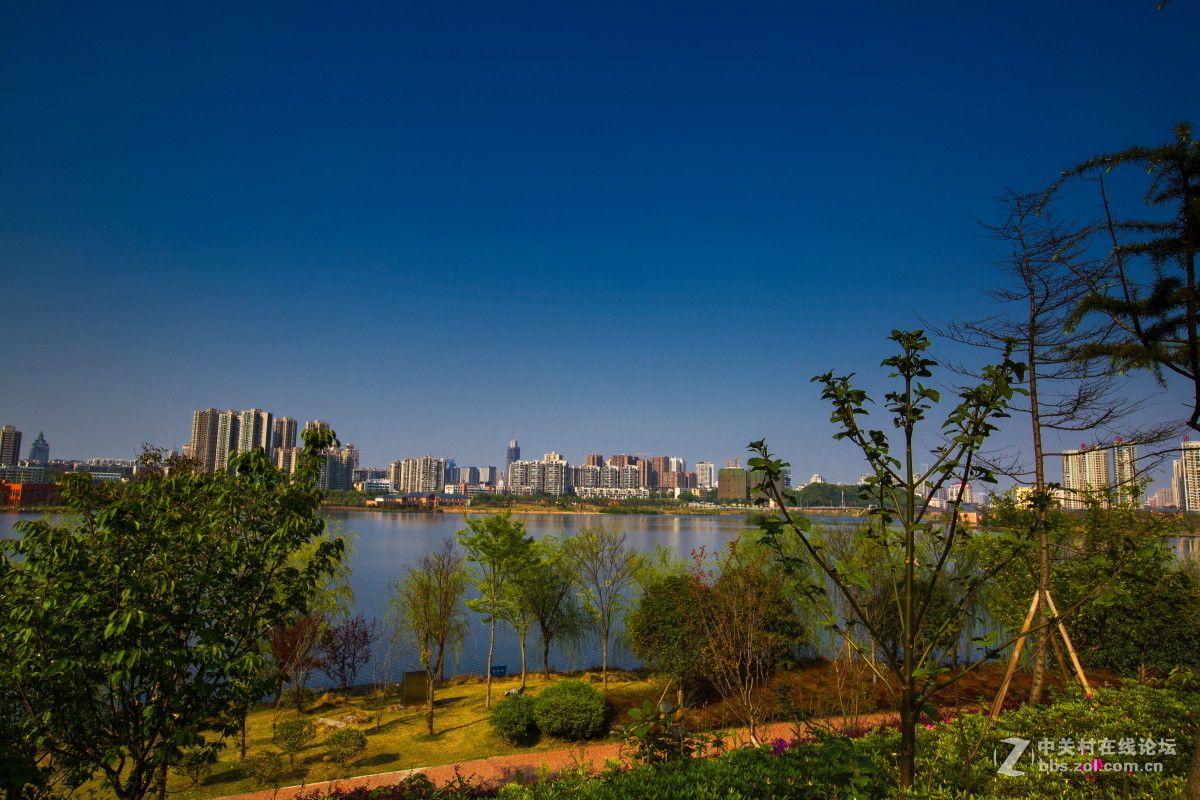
733,483
204,438
1084,471
1125,467
425,474
284,433
951,493
704,475
39,451
1165,498
10,446
337,473
227,438
1187,474
512,454
255,431
622,461
549,476
489,476
286,458
593,460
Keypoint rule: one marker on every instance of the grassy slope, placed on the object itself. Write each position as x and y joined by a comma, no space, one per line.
399,742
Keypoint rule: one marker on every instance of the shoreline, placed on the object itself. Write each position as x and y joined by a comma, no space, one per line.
541,510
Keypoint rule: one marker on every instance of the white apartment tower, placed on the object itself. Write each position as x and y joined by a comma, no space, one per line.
425,474
227,438
1187,476
705,475
204,438
255,431
1084,471
1126,470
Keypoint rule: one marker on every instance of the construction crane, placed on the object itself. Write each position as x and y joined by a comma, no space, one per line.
733,463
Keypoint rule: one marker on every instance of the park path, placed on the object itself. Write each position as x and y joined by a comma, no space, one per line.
524,766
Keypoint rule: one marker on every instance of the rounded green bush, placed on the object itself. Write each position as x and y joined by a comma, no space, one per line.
344,744
570,710
292,735
512,718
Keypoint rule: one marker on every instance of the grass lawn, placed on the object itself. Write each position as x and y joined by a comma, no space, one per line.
399,740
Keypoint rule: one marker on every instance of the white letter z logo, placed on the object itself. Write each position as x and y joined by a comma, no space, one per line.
1019,746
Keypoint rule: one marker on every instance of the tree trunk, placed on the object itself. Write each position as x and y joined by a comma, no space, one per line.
908,735
491,652
242,738
1191,789
429,700
546,657
523,637
604,662
1042,636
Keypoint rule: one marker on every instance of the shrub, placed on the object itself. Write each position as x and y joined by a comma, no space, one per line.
266,768
293,734
513,719
344,744
570,710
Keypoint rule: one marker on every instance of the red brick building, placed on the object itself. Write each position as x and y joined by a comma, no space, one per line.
29,495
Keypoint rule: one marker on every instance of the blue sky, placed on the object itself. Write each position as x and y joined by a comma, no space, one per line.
617,227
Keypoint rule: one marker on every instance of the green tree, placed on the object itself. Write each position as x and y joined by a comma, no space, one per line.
604,569
293,735
743,623
429,603
546,591
1111,569
133,630
344,744
1149,289
1046,273
501,551
663,631
920,553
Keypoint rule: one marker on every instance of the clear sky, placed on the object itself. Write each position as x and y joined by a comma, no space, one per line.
596,227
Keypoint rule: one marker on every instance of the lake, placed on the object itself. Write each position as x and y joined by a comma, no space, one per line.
384,543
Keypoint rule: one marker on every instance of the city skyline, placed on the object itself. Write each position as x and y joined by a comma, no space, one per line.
445,227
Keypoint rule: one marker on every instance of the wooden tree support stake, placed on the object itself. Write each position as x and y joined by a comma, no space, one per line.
998,703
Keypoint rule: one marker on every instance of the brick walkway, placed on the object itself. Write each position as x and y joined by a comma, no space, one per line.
504,769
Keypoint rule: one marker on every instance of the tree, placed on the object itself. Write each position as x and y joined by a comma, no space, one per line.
345,648
293,735
1148,288
546,591
1157,313
743,623
1047,272
663,630
294,653
133,631
429,605
604,570
500,550
920,554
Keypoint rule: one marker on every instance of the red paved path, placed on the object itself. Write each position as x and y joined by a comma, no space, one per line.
504,769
